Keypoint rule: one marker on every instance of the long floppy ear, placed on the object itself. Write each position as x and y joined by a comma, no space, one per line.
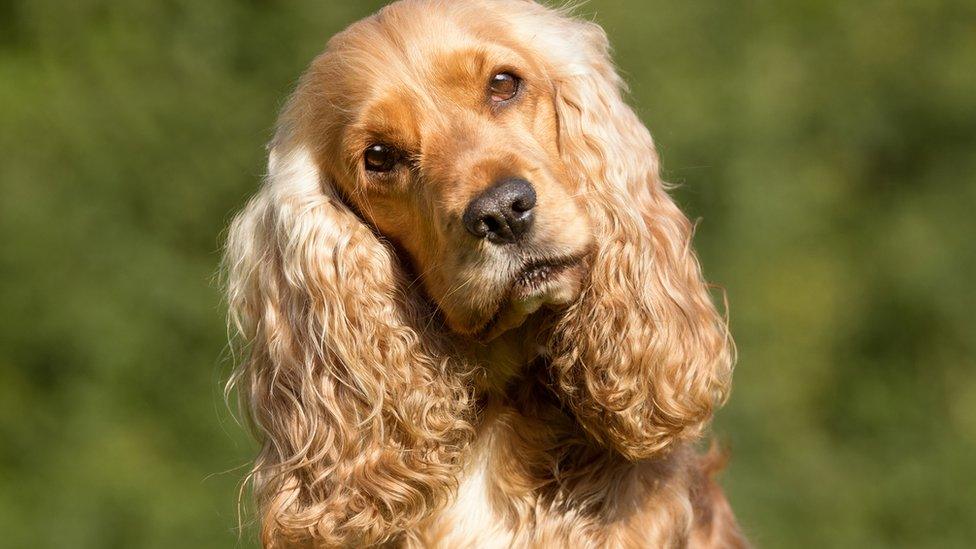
360,413
643,357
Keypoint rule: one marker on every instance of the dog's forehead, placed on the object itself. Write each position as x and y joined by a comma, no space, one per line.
422,61
422,44
392,74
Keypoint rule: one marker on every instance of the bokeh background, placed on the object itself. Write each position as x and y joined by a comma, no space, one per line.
829,148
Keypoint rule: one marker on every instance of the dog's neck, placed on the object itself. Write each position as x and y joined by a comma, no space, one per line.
506,358
538,476
514,389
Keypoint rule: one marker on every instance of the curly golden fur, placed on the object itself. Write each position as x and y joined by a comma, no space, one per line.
413,383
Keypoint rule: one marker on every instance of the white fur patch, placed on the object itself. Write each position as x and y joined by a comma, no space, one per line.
470,521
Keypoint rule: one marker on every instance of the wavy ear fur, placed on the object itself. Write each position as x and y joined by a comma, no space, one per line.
643,357
361,416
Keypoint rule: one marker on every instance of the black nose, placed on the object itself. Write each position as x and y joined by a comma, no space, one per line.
503,213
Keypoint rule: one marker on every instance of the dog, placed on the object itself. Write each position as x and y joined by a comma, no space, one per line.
471,313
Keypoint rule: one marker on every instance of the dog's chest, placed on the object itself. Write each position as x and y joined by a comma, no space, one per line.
491,511
471,520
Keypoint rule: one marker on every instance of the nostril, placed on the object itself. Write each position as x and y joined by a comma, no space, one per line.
492,224
521,194
524,203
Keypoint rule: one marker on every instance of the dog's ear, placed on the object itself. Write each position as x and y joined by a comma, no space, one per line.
361,414
643,357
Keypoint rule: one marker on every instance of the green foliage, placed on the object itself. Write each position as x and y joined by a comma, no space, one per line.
827,146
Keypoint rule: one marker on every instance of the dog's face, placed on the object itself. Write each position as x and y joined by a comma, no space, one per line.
446,143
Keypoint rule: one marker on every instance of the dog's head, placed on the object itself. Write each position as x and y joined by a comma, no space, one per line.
439,128
470,161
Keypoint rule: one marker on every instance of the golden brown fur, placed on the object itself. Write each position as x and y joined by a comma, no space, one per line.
407,386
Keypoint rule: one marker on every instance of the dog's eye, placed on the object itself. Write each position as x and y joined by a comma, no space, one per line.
380,158
504,86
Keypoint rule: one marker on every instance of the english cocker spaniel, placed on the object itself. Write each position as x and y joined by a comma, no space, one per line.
471,312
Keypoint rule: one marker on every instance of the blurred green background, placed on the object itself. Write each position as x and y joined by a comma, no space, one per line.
828,146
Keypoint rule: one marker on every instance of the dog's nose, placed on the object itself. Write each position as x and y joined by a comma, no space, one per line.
503,213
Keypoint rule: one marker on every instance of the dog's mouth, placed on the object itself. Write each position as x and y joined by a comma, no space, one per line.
534,276
548,282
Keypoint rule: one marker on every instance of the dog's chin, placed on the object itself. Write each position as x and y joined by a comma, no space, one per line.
543,285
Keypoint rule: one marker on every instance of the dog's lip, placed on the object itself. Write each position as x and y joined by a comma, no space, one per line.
528,281
536,273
